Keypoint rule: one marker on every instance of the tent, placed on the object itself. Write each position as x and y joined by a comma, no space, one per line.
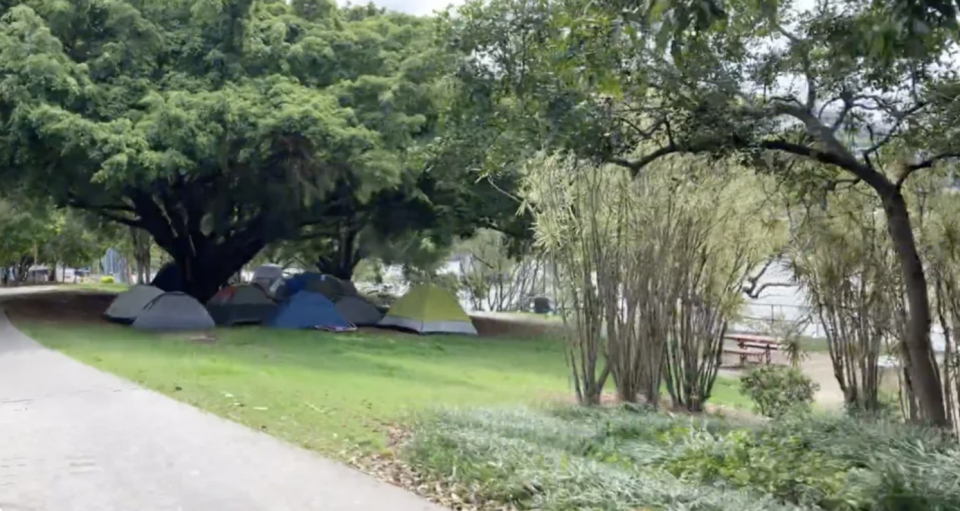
278,290
326,285
264,276
429,309
127,305
300,281
169,278
358,311
174,311
241,304
307,309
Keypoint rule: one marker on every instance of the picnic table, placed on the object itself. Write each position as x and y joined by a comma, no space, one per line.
759,347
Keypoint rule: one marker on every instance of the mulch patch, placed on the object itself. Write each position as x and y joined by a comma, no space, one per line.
60,307
510,327
486,327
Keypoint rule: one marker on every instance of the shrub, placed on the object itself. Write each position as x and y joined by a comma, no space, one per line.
106,279
780,465
777,390
831,462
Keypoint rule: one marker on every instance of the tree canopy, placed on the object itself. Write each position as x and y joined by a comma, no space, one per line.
221,126
823,95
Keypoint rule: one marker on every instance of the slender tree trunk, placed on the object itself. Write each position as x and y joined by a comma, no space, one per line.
141,253
921,361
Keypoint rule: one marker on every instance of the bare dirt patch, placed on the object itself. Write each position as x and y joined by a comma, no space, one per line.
60,307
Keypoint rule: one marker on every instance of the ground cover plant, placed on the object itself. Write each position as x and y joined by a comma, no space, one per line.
634,458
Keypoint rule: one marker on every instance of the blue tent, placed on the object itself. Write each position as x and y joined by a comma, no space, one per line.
307,309
301,281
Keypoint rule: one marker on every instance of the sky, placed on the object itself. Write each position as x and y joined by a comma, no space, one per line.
418,7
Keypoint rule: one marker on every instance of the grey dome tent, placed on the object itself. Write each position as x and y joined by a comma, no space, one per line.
264,276
129,304
358,311
331,287
174,311
326,285
278,290
245,304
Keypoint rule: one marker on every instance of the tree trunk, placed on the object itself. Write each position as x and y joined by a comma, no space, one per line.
141,253
206,260
921,362
347,256
205,273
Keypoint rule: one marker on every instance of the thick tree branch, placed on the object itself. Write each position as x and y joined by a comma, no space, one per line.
107,211
910,169
800,45
119,219
835,184
848,103
635,166
900,116
755,292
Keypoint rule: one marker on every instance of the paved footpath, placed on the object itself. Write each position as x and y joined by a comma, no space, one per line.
73,438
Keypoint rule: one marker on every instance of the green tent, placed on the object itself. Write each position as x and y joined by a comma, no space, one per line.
429,309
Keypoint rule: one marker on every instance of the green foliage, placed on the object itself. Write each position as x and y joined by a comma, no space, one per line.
778,390
780,465
817,96
629,458
222,126
685,233
106,279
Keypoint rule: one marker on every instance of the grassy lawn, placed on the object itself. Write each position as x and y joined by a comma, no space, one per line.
99,287
320,390
327,391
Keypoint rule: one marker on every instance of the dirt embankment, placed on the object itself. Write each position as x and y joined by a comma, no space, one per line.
59,307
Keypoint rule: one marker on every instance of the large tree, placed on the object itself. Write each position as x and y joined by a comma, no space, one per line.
834,92
216,126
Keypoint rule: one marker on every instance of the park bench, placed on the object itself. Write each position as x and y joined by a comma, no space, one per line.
752,346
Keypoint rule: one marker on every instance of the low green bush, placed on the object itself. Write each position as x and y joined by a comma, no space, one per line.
778,390
106,279
629,458
784,466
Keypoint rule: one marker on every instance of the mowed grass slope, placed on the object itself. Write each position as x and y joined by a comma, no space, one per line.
321,390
